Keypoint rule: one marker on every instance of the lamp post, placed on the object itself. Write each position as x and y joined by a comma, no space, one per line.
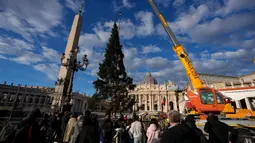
74,66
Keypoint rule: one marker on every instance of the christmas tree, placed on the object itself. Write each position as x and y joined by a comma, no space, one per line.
113,82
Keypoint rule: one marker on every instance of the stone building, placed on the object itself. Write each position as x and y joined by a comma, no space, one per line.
79,102
150,95
29,97
25,97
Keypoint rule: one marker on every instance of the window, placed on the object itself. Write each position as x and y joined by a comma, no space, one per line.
219,97
19,97
155,107
207,97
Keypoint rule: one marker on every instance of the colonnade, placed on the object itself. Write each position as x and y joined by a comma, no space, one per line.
153,102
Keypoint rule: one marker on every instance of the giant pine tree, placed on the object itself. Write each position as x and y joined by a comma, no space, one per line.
113,82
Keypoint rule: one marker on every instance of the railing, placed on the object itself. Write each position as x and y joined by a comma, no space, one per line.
8,126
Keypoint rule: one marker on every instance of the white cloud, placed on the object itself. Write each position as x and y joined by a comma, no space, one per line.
12,46
89,43
123,4
25,53
128,4
50,54
199,25
51,70
232,6
178,2
128,29
146,26
187,21
150,49
74,5
27,58
131,59
103,31
29,18
3,57
218,29
157,62
134,61
230,54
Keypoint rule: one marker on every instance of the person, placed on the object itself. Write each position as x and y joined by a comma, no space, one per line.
191,123
178,133
95,124
88,133
127,134
217,130
137,130
54,132
70,129
77,128
87,113
153,132
107,130
44,125
28,131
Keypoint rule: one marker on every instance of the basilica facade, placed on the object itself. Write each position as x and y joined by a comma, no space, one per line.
154,97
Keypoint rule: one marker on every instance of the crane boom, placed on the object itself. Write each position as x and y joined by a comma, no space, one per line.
179,50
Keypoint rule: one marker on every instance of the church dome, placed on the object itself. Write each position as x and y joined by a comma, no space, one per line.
149,79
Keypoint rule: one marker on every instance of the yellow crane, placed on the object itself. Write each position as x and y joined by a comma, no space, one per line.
206,100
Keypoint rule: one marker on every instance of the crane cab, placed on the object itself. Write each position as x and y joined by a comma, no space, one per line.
207,100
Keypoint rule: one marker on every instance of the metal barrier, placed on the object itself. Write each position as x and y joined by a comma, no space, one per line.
118,136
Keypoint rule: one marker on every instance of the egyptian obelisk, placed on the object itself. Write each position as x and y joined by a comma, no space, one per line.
65,73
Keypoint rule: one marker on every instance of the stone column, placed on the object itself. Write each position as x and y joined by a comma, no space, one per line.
149,102
248,104
137,104
174,101
159,103
140,100
167,103
153,101
146,102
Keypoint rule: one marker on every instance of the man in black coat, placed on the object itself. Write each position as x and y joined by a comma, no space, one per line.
217,130
191,123
178,133
89,133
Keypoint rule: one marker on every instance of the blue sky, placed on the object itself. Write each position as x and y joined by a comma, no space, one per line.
219,36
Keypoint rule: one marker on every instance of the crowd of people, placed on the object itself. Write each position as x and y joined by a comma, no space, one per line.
72,128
